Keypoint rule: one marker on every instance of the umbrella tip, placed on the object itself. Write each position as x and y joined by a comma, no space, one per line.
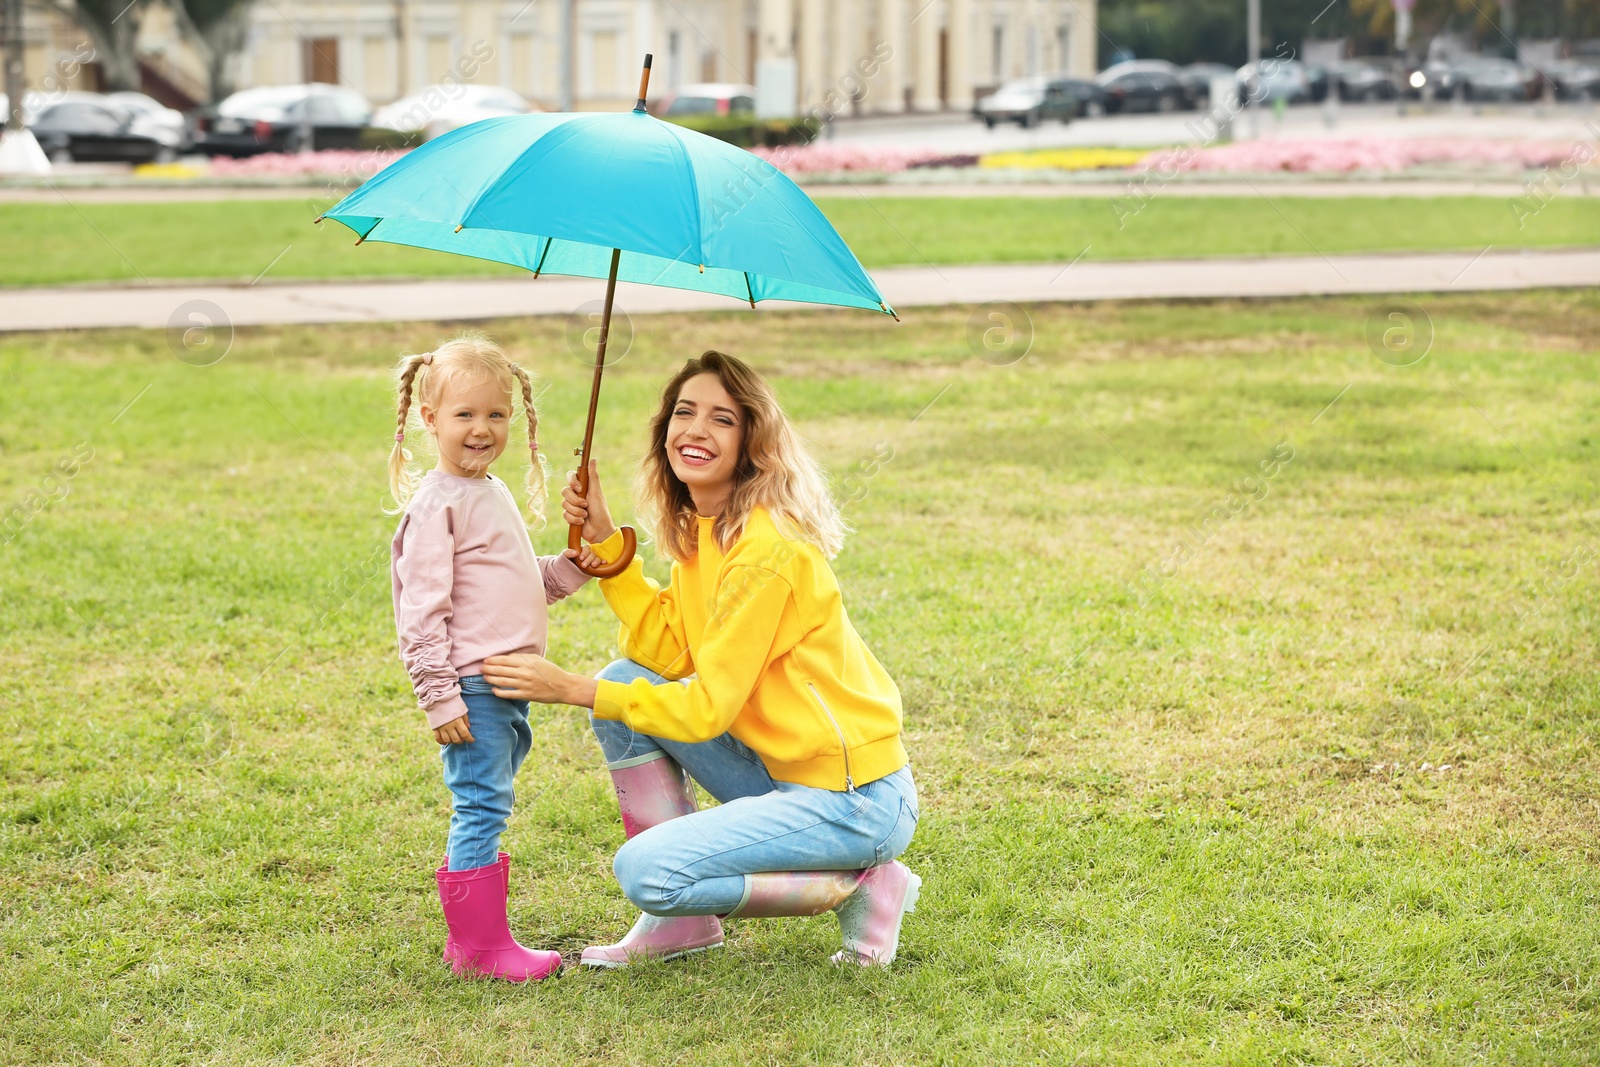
887,310
458,228
644,83
318,219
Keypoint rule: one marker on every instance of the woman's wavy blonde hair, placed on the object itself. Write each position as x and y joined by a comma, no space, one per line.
472,357
775,471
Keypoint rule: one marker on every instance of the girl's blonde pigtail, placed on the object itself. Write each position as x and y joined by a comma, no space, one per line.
402,481
538,469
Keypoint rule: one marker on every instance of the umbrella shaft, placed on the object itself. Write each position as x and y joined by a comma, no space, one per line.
599,364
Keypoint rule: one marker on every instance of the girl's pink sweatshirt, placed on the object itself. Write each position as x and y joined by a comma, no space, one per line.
467,586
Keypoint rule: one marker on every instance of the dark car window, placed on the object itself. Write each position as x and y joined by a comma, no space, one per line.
80,118
1141,80
742,103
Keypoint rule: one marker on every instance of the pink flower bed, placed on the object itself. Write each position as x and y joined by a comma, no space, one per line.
331,164
1363,153
823,156
801,159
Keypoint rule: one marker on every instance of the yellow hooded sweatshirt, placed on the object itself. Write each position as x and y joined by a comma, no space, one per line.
776,662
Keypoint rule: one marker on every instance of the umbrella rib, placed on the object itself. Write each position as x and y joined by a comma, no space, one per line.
676,141
537,267
748,290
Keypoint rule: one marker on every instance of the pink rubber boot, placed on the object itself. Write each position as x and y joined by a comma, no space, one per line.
649,793
772,894
870,905
504,862
870,918
480,941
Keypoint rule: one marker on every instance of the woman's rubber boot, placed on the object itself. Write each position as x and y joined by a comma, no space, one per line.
650,791
480,941
772,894
870,918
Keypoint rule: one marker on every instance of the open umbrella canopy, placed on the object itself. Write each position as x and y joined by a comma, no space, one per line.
555,193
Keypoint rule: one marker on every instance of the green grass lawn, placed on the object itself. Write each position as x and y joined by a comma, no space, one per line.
50,244
1218,766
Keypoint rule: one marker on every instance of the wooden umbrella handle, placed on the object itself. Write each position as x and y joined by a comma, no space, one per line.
630,540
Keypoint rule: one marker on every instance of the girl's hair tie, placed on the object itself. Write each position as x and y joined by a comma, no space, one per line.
399,436
427,359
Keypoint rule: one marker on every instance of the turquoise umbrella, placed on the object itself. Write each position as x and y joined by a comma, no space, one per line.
612,195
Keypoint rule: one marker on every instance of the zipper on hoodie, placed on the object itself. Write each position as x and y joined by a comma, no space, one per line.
849,782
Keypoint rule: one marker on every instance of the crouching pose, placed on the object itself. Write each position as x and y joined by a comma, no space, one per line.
746,673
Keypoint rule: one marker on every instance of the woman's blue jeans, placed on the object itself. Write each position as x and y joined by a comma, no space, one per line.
695,864
481,773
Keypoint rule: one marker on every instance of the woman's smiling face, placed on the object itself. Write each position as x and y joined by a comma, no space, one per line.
705,441
470,425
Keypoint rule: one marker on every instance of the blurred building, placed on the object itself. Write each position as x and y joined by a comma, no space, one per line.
57,56
868,56
936,52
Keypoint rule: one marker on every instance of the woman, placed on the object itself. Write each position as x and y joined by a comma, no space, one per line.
788,719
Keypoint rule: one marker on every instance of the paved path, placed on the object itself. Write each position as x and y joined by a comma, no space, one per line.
904,287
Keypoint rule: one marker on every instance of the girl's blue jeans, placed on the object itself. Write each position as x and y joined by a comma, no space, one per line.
481,773
695,865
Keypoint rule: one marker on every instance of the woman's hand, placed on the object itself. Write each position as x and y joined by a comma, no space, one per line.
525,676
454,732
589,509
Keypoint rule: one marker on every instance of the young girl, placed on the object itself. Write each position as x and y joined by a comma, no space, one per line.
467,586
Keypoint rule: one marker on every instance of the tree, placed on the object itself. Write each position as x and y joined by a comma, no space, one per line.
1187,31
219,30
113,29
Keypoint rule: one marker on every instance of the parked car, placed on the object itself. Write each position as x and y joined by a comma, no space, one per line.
1573,79
1020,100
1142,85
1317,80
1275,79
710,98
1362,79
1087,100
1433,78
165,124
1132,66
283,118
1197,78
1492,78
439,109
74,129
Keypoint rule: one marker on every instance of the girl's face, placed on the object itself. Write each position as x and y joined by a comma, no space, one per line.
470,425
705,440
